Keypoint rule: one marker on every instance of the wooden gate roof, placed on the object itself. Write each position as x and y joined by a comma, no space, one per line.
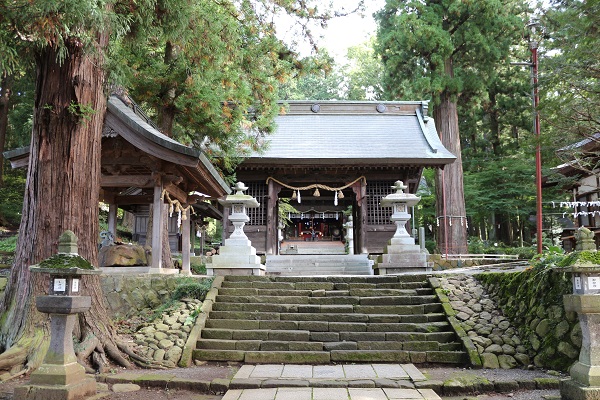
133,151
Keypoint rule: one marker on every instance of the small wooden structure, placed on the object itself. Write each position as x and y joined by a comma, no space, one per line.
329,155
584,208
141,166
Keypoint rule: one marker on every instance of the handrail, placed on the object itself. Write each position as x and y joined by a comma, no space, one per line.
480,256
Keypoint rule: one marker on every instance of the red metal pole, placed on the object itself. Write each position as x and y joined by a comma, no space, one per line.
538,152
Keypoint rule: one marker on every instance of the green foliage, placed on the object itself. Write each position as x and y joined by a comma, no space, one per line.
12,198
195,289
198,269
321,79
284,209
591,256
9,244
417,40
570,83
83,111
208,72
186,288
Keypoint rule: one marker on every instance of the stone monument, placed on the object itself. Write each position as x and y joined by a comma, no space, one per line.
237,256
61,377
401,254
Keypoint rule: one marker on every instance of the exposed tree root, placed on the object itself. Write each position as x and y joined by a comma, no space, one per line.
13,376
16,355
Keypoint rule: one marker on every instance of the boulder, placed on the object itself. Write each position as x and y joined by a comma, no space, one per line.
122,255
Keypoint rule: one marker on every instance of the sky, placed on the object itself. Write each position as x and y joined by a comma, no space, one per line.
344,32
341,32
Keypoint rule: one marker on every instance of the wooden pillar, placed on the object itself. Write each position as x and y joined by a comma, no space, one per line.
272,217
112,219
185,243
157,226
360,217
193,234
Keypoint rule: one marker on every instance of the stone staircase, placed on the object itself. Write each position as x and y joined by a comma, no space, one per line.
309,265
329,319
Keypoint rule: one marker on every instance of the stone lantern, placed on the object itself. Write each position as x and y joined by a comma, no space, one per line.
237,256
60,376
585,300
401,254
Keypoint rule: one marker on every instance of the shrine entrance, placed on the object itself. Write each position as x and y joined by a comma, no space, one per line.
328,157
312,232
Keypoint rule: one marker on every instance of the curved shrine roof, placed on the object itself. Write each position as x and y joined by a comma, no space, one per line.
327,132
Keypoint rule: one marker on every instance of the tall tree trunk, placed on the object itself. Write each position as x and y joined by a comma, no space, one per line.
5,92
452,233
61,193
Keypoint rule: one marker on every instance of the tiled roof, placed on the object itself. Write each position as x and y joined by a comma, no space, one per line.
354,131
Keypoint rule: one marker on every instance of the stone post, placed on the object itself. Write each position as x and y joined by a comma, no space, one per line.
349,226
584,383
237,256
61,377
401,254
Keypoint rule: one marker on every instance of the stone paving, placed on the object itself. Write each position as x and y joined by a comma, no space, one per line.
328,382
331,394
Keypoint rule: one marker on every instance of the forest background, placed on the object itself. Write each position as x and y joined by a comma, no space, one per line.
494,101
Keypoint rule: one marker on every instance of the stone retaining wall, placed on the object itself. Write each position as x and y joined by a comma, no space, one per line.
481,325
514,319
128,294
533,301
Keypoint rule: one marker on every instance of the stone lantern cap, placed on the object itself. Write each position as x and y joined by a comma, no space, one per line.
239,197
67,262
582,266
65,269
399,196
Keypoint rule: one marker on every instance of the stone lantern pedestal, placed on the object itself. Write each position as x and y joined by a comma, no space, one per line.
401,254
61,377
585,300
237,256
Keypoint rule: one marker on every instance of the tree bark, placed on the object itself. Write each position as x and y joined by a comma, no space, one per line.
5,93
61,193
452,233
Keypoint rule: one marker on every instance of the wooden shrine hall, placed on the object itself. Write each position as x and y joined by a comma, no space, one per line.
141,166
327,157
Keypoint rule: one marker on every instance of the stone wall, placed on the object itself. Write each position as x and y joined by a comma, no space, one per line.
129,294
481,325
532,301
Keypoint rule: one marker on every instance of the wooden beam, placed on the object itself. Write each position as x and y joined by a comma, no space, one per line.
139,199
176,192
126,181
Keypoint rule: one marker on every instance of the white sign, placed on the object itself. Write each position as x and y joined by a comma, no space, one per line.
60,285
75,285
594,282
577,283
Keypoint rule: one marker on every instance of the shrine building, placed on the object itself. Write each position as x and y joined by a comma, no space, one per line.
328,157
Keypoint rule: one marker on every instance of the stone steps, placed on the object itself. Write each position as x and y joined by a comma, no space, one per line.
299,320
309,265
354,317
